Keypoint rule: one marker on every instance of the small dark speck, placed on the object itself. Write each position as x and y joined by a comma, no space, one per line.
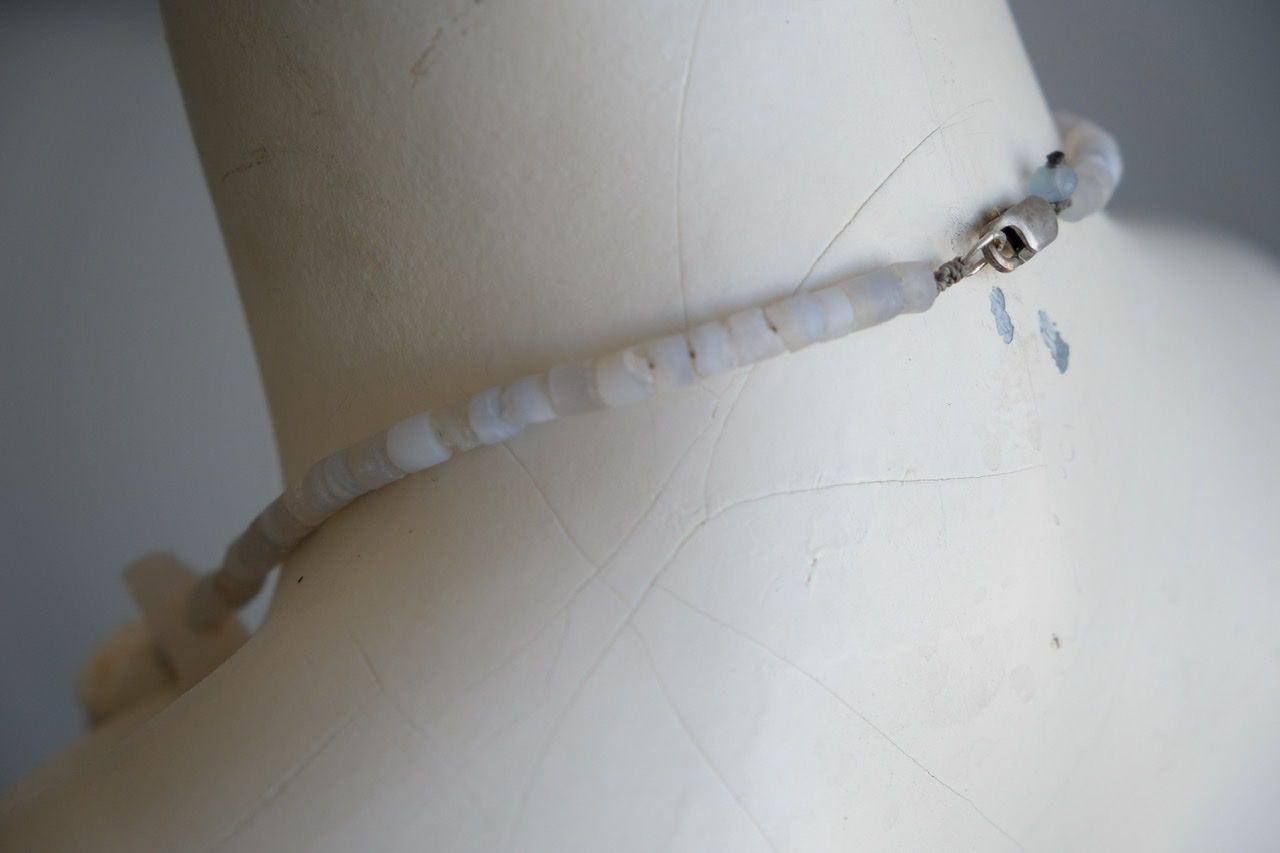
299,578
1057,644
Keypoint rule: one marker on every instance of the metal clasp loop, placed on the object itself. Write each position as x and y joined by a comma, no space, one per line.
1014,237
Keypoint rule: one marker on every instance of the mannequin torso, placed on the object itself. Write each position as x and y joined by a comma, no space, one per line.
915,588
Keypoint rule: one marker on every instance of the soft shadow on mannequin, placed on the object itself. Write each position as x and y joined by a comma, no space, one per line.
916,588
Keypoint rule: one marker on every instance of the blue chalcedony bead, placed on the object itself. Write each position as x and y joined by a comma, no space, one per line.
1053,183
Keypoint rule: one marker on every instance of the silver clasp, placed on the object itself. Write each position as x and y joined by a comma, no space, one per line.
1014,237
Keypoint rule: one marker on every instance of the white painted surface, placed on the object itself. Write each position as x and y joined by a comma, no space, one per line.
694,719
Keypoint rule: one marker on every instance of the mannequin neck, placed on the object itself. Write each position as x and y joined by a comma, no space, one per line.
410,235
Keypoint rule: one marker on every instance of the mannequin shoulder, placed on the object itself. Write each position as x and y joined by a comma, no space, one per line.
1204,265
1196,296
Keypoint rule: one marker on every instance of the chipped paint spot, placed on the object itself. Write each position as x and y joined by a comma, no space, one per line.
1058,348
1004,325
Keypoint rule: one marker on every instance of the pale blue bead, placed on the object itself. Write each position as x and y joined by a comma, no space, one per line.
1053,183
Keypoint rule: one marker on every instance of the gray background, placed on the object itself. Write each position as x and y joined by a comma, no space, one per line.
130,408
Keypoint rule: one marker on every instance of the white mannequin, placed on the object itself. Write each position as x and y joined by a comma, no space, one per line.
911,589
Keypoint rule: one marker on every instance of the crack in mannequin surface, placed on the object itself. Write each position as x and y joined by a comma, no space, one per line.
914,588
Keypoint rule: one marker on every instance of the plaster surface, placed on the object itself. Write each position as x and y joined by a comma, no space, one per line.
916,588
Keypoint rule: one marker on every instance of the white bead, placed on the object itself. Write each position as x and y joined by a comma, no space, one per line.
1099,147
301,507
919,288
1053,183
125,671
1083,142
573,389
1093,191
413,444
452,427
338,478
254,552
1108,161
310,499
484,412
527,401
876,296
623,378
712,349
799,320
672,361
369,465
321,496
281,526
837,313
752,337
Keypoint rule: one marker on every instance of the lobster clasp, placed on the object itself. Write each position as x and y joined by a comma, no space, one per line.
1014,237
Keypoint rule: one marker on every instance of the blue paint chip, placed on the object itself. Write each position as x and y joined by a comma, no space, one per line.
1004,325
1058,348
